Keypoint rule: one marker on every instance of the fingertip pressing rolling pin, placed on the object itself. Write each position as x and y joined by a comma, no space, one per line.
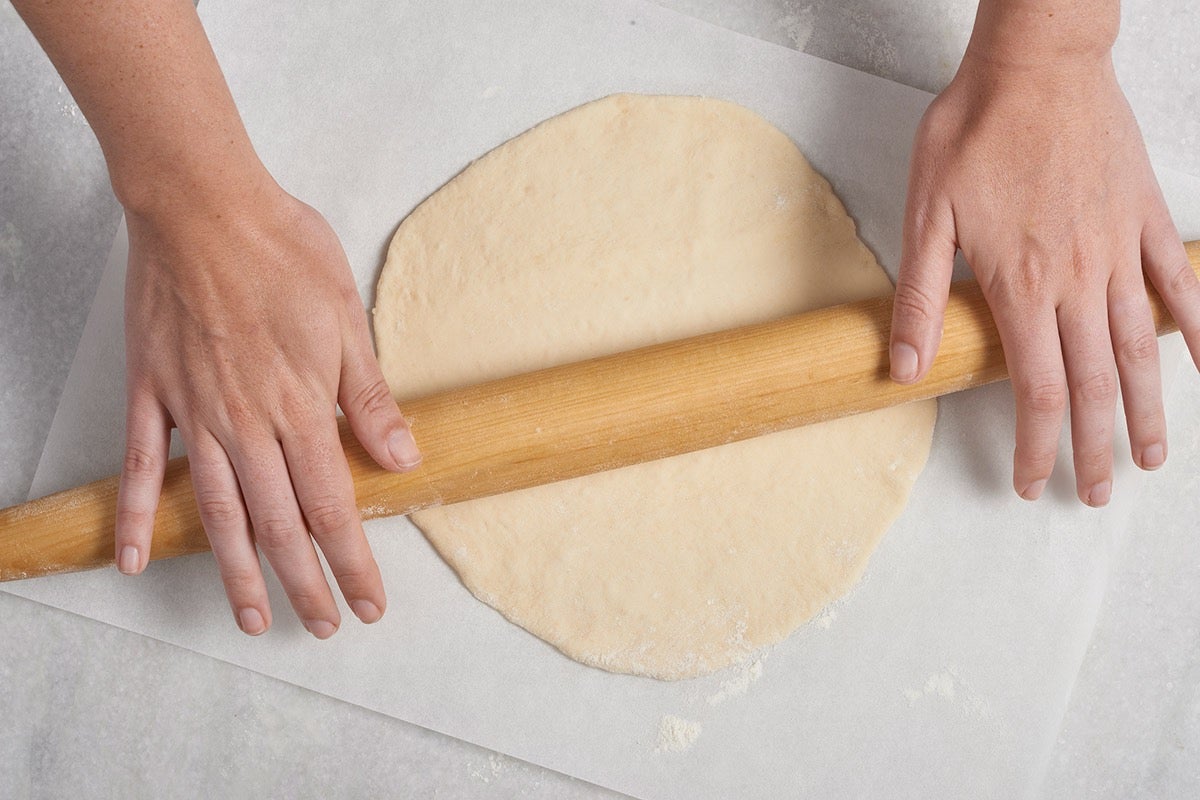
579,418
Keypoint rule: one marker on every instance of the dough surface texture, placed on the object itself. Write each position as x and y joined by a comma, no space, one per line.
624,222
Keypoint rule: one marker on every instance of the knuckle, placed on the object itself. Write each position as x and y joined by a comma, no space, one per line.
358,573
374,397
914,304
1141,348
1023,284
1043,397
1096,387
235,416
299,410
1182,281
275,532
293,413
1085,265
327,517
240,413
140,461
218,510
923,220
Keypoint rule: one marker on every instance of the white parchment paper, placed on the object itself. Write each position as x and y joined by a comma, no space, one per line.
945,672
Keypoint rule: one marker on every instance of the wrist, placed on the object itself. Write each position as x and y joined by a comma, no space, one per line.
196,185
1054,39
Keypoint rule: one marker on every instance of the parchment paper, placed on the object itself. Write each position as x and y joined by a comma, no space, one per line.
945,672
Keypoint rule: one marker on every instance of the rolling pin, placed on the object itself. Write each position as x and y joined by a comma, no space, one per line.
577,419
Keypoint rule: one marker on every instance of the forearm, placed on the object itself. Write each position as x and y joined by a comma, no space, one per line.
1022,35
144,75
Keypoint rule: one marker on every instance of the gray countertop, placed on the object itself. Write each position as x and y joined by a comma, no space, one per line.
89,710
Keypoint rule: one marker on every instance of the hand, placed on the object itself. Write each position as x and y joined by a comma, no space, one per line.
243,326
244,329
1040,177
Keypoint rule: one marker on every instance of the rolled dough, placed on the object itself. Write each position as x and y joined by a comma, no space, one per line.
624,222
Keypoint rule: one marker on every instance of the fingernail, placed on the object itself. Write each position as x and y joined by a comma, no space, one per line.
403,448
904,362
367,611
1153,457
1034,490
320,628
130,561
1099,494
251,621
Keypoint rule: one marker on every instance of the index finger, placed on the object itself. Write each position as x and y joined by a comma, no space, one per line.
1165,261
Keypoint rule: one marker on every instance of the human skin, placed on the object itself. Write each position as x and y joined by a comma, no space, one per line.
243,324
1031,163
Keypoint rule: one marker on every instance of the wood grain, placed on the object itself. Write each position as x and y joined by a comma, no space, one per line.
578,419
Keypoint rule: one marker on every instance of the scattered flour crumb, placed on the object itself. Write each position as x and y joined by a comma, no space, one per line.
488,771
676,734
826,618
747,673
941,684
949,686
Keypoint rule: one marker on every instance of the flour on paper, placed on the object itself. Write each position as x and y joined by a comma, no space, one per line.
624,222
744,675
676,734
949,687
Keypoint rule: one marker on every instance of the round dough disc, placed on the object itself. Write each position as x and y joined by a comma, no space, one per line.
624,222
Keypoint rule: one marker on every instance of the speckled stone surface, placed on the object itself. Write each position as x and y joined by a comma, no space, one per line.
87,710
57,219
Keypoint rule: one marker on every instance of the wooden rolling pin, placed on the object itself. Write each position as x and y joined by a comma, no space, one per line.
577,419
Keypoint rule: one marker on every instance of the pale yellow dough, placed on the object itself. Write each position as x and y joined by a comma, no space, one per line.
628,221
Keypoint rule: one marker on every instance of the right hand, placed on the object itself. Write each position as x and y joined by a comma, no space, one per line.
244,329
1033,167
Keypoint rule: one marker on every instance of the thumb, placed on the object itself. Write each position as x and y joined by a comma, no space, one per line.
367,403
922,288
